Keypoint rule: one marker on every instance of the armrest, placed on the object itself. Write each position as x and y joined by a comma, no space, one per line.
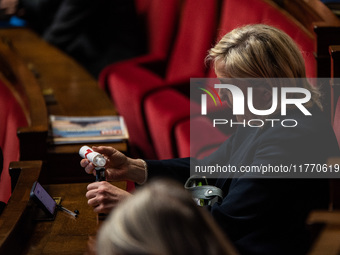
24,172
16,221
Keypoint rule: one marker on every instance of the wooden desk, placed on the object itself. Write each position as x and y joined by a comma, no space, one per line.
68,89
328,240
66,234
75,91
21,234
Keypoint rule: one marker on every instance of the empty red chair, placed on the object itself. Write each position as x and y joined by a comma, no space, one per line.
12,117
169,114
129,87
171,137
164,110
159,19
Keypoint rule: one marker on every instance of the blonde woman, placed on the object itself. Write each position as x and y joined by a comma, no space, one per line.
259,215
161,218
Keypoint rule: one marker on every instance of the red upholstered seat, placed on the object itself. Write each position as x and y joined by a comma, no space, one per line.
237,13
200,140
130,85
169,113
168,117
12,117
138,90
234,14
160,20
164,110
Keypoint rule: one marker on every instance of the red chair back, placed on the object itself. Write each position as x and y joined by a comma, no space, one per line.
160,19
195,36
12,117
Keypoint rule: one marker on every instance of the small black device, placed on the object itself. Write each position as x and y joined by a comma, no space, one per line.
100,174
44,200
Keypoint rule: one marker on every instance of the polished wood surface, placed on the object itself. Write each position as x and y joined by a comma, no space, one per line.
68,89
26,90
328,240
21,233
16,220
74,90
310,13
324,25
66,234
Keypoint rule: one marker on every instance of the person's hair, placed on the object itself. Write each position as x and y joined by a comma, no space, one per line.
260,51
161,218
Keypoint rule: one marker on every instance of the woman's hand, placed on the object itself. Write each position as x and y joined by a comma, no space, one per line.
103,196
118,166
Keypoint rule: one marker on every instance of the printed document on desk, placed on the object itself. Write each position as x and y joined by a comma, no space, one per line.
82,129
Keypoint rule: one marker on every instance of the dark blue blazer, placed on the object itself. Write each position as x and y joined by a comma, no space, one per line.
267,215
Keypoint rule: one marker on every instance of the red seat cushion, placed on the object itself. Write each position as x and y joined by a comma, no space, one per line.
128,89
163,110
196,137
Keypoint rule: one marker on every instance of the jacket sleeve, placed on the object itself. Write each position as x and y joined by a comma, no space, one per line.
178,169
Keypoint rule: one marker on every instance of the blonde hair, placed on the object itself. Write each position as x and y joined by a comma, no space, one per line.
162,219
260,51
